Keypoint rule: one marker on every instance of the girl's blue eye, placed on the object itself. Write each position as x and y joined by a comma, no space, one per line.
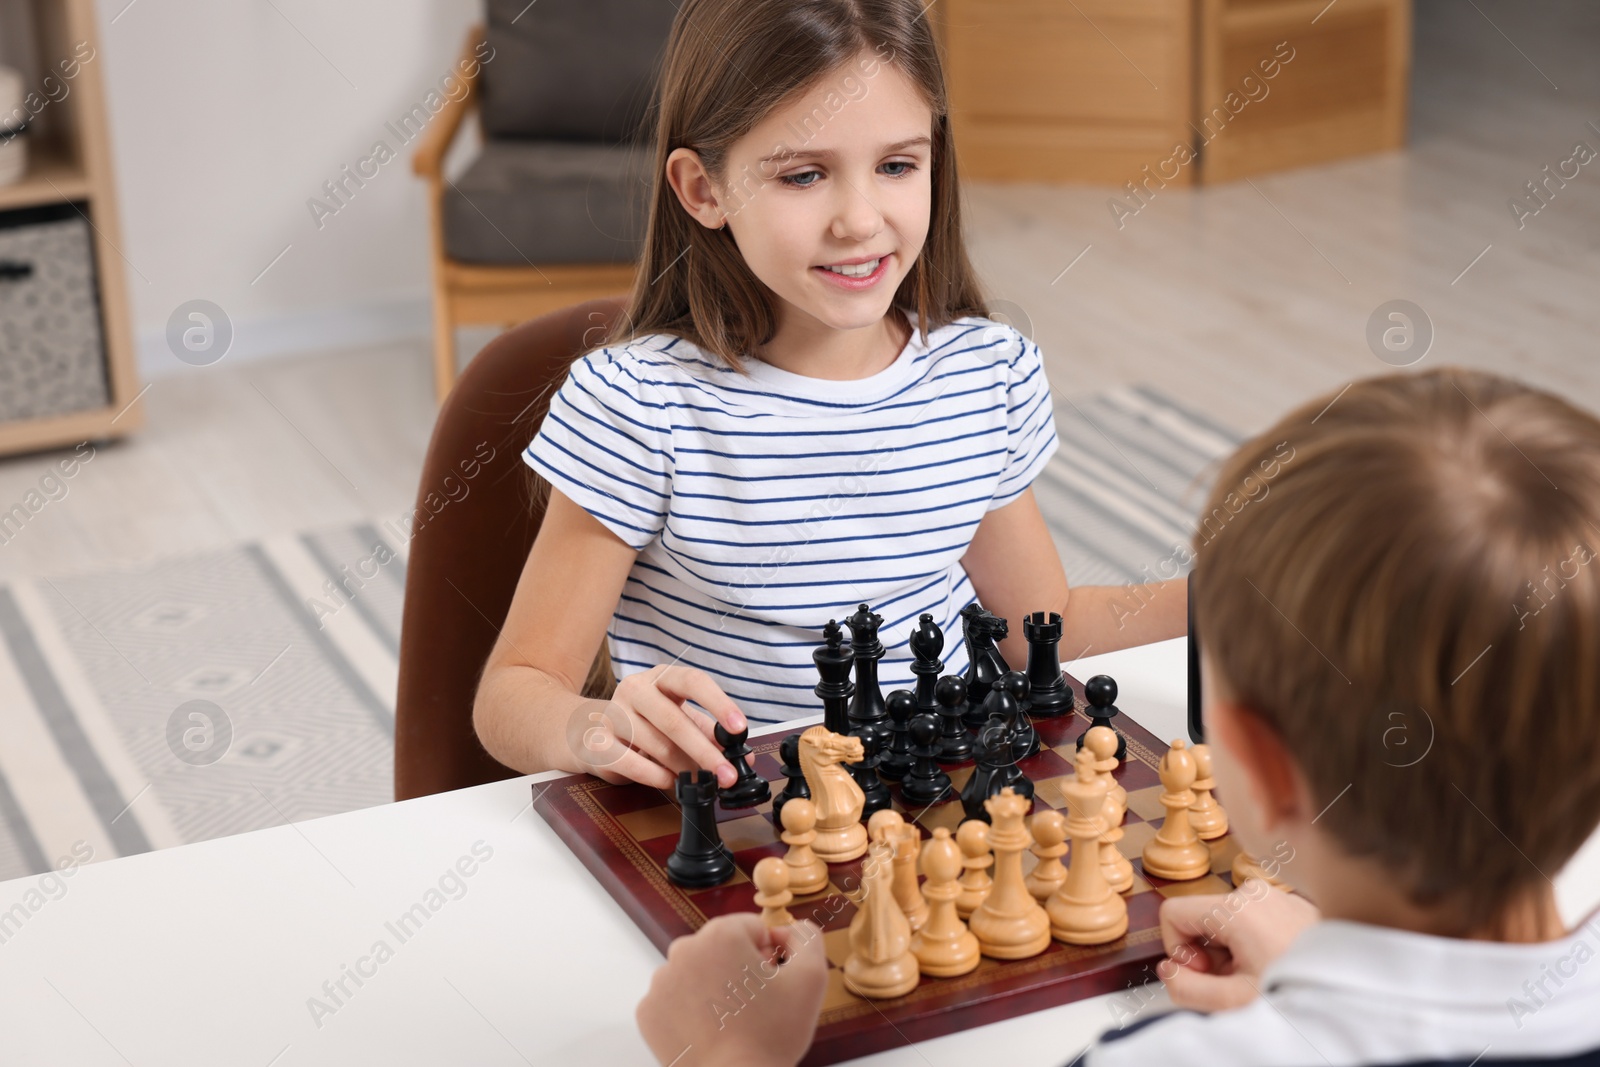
794,182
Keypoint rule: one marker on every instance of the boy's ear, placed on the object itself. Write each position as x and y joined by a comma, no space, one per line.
1270,772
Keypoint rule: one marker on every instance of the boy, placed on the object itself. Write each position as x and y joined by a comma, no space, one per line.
1400,631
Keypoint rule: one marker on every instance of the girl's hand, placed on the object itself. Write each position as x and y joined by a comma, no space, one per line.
646,733
1218,944
770,1022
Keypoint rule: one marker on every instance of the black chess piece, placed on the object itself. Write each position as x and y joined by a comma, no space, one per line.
1100,692
796,787
700,858
982,630
1016,684
955,743
1049,694
834,660
866,703
995,751
925,783
896,759
749,789
874,791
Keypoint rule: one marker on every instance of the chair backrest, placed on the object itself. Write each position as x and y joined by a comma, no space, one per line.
572,70
473,527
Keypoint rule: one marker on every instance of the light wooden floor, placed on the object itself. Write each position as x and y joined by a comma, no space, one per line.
1243,299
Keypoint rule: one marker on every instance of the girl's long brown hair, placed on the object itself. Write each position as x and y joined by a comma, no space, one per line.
727,64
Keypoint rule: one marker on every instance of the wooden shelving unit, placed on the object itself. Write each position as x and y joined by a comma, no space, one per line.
69,160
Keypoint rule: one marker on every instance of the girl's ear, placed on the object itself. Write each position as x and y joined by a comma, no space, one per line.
689,180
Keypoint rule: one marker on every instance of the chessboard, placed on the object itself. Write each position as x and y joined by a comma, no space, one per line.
624,833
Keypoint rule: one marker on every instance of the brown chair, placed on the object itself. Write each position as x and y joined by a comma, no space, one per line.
474,524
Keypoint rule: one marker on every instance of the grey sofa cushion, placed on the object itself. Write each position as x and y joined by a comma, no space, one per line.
573,70
549,202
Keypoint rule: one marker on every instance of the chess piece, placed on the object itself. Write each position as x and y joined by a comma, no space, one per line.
1086,911
944,947
927,641
906,840
834,660
982,631
896,759
868,714
749,789
700,858
1049,844
972,837
995,749
1176,853
880,964
866,703
925,784
837,797
955,742
1027,740
794,787
1048,690
771,877
1247,866
807,873
1009,924
1114,865
1102,741
1101,694
1205,814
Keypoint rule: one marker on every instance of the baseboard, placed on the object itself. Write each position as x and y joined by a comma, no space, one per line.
354,325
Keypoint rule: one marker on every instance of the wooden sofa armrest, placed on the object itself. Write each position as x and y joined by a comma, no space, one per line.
441,133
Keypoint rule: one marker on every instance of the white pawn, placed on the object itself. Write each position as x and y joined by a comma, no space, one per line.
1102,741
944,947
771,877
1049,844
807,873
973,837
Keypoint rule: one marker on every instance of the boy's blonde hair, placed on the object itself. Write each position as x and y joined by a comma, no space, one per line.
1399,580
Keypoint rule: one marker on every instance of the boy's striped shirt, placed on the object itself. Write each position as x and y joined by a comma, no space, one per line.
763,505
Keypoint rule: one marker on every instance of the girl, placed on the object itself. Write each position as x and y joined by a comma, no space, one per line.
805,409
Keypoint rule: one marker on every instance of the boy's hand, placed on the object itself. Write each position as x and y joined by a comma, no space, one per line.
768,1019
1218,945
648,733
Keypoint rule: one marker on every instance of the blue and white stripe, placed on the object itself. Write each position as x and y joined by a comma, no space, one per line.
763,505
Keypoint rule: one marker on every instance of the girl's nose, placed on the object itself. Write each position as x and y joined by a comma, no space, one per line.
856,218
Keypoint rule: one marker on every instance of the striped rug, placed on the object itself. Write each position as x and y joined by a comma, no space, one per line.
225,691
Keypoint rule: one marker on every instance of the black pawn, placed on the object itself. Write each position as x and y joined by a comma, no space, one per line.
834,660
796,787
1101,694
955,743
874,791
1027,742
897,757
700,858
1048,690
925,783
749,789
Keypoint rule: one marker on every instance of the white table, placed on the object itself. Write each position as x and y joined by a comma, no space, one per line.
208,954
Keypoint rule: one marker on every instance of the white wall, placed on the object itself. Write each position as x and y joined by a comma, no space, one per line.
227,116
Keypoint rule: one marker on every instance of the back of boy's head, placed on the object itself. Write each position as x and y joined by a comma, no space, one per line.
1397,579
727,64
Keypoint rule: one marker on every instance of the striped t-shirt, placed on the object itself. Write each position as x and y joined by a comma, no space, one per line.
764,505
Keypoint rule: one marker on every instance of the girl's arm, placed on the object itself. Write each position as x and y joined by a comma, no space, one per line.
1016,570
529,701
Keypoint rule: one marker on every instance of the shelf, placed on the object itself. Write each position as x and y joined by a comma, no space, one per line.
60,431
52,178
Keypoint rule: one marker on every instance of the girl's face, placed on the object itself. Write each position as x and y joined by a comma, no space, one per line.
838,176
